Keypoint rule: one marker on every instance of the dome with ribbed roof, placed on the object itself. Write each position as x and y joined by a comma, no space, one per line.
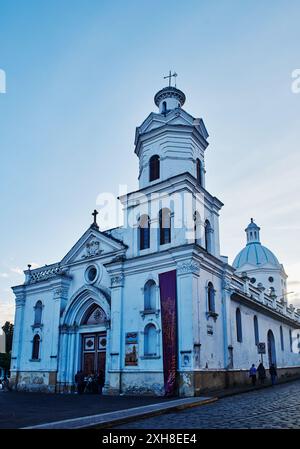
254,252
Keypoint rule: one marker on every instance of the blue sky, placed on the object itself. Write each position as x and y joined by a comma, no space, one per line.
81,75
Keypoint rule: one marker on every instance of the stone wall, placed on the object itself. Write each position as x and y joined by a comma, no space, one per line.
206,381
41,382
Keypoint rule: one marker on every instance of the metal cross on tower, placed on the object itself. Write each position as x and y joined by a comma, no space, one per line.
170,77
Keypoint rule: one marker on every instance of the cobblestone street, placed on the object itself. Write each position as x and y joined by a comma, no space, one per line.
275,408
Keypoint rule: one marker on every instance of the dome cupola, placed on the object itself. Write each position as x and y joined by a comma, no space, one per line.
169,97
252,232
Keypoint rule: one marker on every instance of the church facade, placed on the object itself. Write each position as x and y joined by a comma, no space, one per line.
153,304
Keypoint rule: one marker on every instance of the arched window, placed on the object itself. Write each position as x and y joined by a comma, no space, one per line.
291,340
199,171
164,107
38,308
165,226
150,295
208,236
154,168
281,339
197,228
256,331
36,347
150,340
211,298
238,319
144,232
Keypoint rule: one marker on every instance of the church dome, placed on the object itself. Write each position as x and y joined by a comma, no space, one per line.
254,252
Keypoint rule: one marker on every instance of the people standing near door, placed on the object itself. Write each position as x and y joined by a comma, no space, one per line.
273,374
79,380
261,373
252,374
100,381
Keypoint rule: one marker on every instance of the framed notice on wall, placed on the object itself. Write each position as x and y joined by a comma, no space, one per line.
131,349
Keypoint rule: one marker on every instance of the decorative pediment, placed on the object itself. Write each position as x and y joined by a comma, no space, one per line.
173,118
93,244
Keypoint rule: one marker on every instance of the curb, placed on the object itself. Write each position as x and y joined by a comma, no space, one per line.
111,419
155,413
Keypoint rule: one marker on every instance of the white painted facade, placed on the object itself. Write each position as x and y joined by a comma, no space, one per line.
108,272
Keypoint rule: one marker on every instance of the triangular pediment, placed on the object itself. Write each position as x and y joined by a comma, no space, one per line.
93,244
177,117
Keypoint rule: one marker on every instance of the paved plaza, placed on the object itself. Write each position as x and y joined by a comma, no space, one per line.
277,407
19,409
271,408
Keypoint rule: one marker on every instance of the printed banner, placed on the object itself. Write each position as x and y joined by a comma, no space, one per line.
167,285
131,349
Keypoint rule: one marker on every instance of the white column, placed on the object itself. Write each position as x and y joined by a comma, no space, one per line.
227,334
115,349
187,274
71,356
18,334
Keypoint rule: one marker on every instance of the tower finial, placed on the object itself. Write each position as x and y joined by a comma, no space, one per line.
170,77
252,232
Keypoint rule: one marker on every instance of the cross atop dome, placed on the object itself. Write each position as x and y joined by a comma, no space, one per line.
169,97
170,76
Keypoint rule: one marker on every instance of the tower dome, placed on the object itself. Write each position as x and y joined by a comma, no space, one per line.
169,98
260,264
255,253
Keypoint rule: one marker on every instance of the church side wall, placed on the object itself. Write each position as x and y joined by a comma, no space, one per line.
145,377
245,353
40,374
211,329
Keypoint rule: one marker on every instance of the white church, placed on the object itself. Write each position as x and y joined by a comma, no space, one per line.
153,304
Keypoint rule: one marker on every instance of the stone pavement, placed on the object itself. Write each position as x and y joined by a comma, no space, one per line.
105,420
19,409
65,411
270,408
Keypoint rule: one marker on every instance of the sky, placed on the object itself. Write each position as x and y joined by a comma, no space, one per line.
82,74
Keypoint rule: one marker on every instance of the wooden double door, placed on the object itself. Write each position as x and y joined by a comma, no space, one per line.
94,353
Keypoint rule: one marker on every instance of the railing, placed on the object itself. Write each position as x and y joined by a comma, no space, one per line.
43,273
242,286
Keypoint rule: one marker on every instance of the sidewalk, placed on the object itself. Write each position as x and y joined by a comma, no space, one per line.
105,420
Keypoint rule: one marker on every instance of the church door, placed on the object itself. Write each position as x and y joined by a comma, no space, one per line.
93,353
271,348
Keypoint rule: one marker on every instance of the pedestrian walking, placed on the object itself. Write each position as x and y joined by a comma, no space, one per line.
261,373
252,374
273,374
100,381
5,384
79,380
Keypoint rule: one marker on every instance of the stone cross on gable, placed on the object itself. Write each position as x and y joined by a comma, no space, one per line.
94,214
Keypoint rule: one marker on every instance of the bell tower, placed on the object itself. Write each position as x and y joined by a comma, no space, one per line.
170,142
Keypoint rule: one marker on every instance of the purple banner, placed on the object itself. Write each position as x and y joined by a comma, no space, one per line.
167,285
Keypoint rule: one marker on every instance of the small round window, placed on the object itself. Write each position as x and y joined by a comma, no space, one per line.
271,279
91,274
252,280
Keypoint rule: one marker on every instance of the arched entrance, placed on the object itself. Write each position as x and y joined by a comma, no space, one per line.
94,341
271,348
84,336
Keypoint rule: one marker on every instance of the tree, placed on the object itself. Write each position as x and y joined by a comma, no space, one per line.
5,362
8,329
